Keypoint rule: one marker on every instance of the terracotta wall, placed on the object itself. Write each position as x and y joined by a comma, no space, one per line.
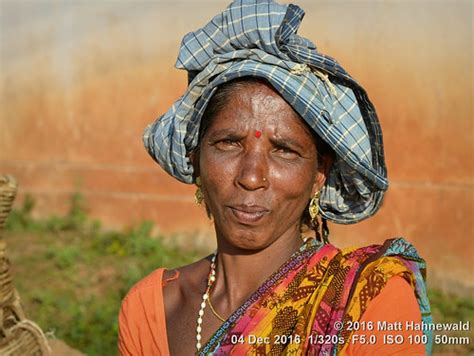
80,81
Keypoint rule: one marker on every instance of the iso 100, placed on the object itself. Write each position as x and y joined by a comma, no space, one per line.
325,339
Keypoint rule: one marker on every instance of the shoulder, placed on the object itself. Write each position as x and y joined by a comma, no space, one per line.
189,273
385,278
145,285
392,247
139,306
397,292
162,277
141,300
176,290
393,257
171,278
389,312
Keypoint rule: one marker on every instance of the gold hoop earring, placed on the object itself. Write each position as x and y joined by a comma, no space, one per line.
198,196
314,206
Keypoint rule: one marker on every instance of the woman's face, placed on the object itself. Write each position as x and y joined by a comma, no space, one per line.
258,168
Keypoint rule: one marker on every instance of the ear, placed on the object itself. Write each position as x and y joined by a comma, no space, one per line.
194,159
322,173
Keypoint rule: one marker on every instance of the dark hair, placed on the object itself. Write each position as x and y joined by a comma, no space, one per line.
217,103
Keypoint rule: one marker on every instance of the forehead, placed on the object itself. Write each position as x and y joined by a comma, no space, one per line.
256,105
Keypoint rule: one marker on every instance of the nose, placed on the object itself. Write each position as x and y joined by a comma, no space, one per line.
253,170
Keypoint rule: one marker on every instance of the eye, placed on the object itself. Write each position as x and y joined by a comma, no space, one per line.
286,152
227,144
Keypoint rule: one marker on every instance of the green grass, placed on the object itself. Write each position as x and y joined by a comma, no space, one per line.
72,275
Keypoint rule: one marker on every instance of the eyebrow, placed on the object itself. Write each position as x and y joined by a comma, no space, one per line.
286,142
226,132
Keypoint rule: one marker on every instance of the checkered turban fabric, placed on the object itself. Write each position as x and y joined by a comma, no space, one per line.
258,39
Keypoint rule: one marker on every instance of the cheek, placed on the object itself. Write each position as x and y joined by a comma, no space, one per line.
295,181
216,173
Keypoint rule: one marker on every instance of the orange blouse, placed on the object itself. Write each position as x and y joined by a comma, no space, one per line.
142,323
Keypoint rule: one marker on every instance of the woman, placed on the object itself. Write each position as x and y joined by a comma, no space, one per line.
277,138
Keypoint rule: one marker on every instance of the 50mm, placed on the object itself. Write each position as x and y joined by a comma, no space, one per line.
451,340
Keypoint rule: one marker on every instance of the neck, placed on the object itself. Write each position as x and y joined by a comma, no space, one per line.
240,272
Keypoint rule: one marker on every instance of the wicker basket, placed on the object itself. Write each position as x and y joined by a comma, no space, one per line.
18,336
25,338
9,298
8,188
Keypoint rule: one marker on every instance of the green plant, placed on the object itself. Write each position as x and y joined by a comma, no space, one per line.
20,219
64,257
75,219
450,308
72,275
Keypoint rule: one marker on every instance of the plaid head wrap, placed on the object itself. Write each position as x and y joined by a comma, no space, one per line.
258,39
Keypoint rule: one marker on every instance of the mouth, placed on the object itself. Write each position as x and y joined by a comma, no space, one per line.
248,214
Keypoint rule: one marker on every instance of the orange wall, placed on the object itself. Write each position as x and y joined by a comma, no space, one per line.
80,81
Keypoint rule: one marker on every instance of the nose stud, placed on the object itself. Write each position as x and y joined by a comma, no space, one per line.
258,133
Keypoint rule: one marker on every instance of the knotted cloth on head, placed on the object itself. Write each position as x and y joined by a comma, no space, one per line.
258,39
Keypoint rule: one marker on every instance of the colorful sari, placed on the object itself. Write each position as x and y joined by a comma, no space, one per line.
311,294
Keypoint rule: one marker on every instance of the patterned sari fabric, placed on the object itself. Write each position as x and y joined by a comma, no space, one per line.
319,287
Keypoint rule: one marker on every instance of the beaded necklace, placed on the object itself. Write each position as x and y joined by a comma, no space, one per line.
211,277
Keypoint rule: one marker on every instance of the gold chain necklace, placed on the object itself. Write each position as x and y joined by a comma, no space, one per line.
213,310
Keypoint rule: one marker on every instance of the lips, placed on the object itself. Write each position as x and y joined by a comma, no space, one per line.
248,214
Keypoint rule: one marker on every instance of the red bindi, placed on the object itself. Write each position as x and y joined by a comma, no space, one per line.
258,134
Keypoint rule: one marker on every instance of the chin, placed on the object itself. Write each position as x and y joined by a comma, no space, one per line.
246,239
